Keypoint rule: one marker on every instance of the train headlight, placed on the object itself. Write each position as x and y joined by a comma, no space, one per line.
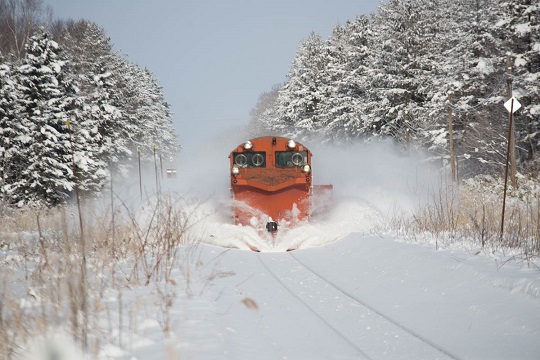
291,144
235,170
297,159
248,145
306,168
257,160
241,160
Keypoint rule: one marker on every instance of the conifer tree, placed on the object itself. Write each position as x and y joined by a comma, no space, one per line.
476,62
46,177
10,130
111,105
91,57
349,97
401,73
522,22
403,66
264,114
148,112
298,101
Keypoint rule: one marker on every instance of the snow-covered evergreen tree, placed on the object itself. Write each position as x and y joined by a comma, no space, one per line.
119,104
91,69
10,131
148,113
112,108
521,22
298,101
401,72
404,66
349,100
476,64
46,176
264,114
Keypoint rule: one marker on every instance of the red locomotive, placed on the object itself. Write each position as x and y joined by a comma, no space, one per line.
272,183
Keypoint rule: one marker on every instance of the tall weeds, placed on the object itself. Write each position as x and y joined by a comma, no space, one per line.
49,281
471,213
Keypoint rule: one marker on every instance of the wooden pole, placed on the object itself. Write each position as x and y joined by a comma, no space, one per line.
140,176
451,140
510,130
156,169
112,215
82,245
161,166
512,137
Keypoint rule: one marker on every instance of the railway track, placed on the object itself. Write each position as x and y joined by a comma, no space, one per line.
371,333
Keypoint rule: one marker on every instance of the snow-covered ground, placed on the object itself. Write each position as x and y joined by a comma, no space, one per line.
350,291
359,296
363,297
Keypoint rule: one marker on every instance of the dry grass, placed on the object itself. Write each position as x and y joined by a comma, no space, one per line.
472,213
50,281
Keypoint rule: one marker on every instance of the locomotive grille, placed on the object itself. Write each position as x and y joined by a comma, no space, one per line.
270,177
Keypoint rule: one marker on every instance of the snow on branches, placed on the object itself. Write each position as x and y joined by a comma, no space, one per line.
393,74
71,112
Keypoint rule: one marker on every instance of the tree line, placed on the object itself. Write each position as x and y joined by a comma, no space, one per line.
72,110
400,72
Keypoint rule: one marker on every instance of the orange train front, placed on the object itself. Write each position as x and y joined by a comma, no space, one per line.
271,183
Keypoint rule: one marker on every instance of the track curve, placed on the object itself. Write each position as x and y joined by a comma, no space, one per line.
314,312
379,313
370,332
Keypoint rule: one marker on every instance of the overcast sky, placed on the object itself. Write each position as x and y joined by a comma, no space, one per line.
213,57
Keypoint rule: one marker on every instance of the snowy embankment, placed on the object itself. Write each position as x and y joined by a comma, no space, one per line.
350,291
372,297
359,296
362,297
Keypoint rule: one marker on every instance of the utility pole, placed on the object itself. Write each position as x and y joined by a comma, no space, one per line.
140,176
82,245
511,105
512,136
451,140
156,168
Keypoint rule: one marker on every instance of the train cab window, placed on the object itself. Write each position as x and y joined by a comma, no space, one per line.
291,158
250,159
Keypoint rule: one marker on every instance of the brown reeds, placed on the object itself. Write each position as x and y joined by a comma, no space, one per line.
49,281
471,213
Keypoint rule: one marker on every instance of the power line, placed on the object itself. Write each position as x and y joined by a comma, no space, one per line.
487,98
482,102
524,79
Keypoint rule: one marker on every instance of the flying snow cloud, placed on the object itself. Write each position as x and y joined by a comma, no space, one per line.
379,173
371,181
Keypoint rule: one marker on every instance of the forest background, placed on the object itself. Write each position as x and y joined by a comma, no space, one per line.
404,72
73,111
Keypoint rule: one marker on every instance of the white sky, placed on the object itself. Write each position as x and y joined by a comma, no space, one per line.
213,57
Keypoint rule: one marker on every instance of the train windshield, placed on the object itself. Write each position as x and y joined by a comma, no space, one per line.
250,159
291,158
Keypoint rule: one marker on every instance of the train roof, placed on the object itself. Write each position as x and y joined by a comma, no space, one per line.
263,142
